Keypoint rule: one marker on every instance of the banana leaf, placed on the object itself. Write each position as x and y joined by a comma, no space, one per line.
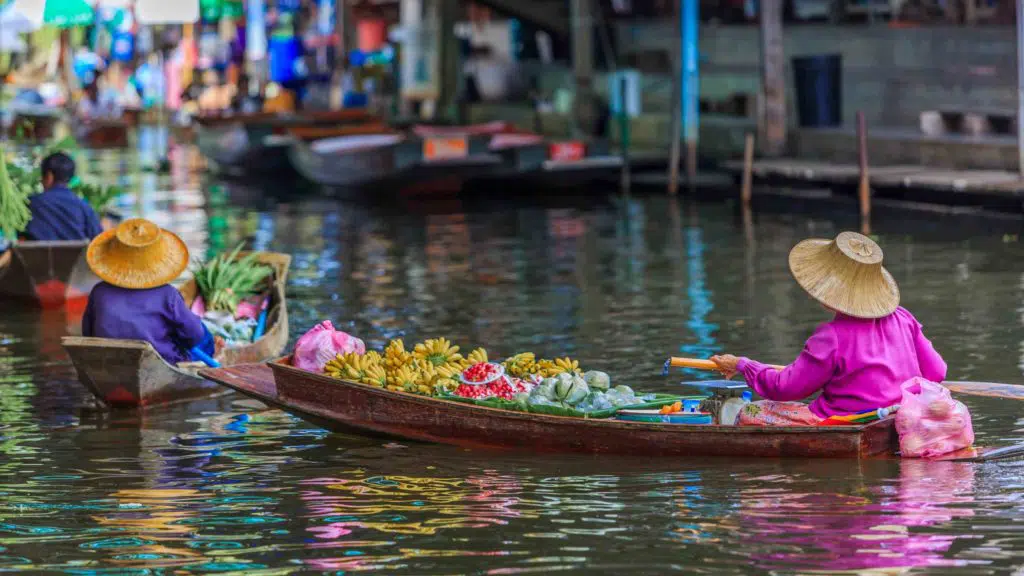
500,404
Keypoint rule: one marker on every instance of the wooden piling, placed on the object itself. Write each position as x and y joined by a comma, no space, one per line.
864,189
624,135
746,189
773,79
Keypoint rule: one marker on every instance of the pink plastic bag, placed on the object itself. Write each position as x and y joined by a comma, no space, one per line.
321,344
930,422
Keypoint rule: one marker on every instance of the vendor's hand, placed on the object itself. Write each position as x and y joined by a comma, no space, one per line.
727,365
218,345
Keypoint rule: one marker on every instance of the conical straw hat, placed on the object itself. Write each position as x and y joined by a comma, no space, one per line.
137,254
845,274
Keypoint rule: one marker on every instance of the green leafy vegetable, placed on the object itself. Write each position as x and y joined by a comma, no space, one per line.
227,279
14,212
99,197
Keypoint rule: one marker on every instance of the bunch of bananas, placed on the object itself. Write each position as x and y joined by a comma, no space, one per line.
478,356
408,379
438,352
395,355
521,365
526,364
432,367
353,366
561,365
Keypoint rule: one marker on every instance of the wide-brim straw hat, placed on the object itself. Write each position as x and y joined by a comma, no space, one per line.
137,254
846,274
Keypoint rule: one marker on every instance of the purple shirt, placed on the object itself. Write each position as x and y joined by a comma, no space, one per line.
59,214
157,315
857,365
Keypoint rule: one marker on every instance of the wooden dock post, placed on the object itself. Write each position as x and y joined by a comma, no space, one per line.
624,134
677,101
746,189
864,188
582,25
773,78
1020,87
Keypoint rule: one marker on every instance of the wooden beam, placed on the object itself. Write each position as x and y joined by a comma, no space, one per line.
773,79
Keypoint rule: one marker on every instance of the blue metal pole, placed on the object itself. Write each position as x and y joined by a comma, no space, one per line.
689,20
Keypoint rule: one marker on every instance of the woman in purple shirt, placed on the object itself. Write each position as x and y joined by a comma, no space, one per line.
859,359
135,301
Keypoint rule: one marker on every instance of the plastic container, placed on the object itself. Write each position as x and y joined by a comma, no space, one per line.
819,87
731,409
657,417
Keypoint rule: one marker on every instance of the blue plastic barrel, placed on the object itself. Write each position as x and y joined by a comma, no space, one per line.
819,90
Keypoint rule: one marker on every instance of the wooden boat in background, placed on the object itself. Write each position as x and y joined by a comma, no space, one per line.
103,134
546,164
258,144
33,123
350,406
46,274
130,373
348,161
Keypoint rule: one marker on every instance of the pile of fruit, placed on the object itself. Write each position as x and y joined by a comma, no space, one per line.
588,392
431,368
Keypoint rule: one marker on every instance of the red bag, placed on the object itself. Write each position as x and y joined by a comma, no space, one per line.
321,344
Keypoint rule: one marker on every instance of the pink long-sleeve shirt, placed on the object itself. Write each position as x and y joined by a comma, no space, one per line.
857,365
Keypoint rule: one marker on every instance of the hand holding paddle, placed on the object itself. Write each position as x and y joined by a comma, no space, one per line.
727,364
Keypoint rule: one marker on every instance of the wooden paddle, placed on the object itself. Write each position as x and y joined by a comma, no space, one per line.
989,389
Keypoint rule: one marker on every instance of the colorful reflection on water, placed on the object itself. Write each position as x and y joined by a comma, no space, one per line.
224,485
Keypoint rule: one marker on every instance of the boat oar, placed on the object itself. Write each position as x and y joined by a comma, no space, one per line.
697,364
261,322
204,357
990,389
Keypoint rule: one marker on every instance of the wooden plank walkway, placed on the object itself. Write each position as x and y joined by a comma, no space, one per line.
902,176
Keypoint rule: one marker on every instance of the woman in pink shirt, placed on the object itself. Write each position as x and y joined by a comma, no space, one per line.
859,359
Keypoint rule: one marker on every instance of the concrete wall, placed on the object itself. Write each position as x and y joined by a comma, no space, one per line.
891,74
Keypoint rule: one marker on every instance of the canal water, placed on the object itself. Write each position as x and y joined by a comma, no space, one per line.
225,485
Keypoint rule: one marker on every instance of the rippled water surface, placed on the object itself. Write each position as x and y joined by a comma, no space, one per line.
226,485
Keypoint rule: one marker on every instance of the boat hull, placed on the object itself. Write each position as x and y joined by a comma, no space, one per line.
341,405
103,134
46,274
131,374
258,145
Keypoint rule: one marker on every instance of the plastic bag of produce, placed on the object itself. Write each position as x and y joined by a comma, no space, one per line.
321,344
930,422
546,389
597,380
572,391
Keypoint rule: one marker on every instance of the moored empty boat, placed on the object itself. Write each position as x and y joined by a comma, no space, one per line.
258,143
130,373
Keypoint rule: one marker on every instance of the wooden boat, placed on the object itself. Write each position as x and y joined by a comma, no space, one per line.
45,274
130,373
34,123
103,134
259,144
348,161
347,406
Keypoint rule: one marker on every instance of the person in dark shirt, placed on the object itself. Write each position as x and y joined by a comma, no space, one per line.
137,261
57,212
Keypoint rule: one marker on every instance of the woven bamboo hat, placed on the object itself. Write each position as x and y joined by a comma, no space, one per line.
137,254
845,274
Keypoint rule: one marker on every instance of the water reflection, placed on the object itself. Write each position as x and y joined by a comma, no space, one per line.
865,527
226,484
